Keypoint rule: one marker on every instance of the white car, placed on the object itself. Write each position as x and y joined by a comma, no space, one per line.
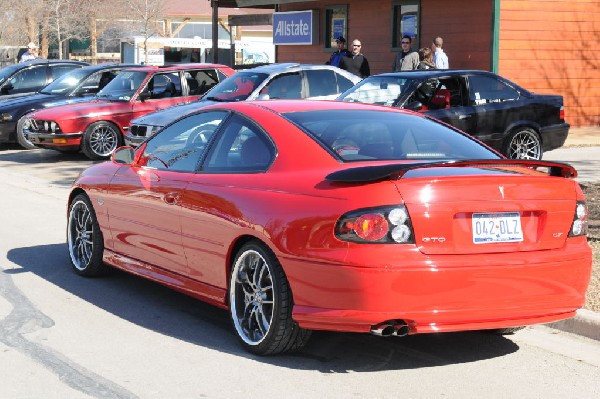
287,81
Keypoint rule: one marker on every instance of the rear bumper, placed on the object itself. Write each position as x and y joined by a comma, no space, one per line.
443,293
554,136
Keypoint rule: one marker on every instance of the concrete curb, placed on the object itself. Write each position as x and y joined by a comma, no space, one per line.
586,323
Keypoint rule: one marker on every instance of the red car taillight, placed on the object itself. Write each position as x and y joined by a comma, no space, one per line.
376,225
580,220
562,112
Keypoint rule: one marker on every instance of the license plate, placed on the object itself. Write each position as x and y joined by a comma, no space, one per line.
496,227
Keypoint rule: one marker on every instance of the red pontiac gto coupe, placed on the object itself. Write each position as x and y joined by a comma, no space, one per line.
312,215
96,127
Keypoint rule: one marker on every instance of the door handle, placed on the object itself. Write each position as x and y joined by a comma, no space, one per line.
464,116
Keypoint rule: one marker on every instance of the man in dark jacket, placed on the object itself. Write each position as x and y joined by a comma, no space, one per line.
356,62
340,53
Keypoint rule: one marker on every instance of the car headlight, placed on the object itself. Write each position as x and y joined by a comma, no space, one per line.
381,225
6,117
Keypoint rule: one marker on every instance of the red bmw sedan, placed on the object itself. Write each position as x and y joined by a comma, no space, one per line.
309,215
96,127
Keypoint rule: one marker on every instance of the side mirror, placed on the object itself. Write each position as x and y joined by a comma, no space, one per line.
145,95
7,87
414,106
123,155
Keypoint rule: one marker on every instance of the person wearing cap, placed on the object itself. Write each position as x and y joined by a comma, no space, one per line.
30,54
340,53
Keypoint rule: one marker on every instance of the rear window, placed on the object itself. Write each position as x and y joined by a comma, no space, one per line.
359,135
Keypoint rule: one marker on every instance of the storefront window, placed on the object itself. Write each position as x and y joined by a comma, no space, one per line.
336,25
405,21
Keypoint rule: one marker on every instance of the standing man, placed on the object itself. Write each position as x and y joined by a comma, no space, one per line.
439,57
340,53
30,54
407,59
356,62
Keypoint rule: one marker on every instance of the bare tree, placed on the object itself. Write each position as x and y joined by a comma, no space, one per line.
147,18
66,20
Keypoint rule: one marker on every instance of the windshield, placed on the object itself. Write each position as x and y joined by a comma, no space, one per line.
123,86
67,82
382,90
359,135
237,87
8,71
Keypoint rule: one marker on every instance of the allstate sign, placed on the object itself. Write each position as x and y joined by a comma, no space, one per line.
296,27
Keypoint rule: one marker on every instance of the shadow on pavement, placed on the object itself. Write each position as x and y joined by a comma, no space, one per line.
160,309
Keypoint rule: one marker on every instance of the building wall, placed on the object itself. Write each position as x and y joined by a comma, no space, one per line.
467,35
465,26
546,46
550,47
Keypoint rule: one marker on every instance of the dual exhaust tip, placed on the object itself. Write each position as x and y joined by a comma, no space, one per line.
397,328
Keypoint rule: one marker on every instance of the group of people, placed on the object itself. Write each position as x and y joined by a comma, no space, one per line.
355,62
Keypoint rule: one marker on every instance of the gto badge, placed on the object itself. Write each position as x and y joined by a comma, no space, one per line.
434,239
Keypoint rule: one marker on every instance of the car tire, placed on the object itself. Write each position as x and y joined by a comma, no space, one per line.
100,140
23,142
523,143
84,238
260,303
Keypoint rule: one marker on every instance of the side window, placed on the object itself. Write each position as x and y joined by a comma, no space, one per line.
285,86
242,147
441,93
343,83
487,89
180,146
199,82
321,82
58,70
165,85
30,78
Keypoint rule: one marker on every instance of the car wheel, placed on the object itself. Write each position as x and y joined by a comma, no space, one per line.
523,144
100,140
260,303
84,238
21,139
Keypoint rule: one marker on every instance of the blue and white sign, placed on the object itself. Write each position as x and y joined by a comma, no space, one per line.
296,27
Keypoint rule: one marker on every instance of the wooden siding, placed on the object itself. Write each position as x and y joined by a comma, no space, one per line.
550,47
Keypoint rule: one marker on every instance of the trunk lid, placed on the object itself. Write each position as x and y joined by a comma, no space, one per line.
515,211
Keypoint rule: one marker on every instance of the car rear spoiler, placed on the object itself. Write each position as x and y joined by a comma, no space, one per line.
374,173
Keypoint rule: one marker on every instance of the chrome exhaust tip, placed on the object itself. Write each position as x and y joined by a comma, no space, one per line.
390,328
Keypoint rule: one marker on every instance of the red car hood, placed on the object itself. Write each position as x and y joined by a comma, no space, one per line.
81,110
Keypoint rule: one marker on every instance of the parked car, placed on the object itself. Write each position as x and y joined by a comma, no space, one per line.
291,81
324,215
510,119
77,85
31,76
96,127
